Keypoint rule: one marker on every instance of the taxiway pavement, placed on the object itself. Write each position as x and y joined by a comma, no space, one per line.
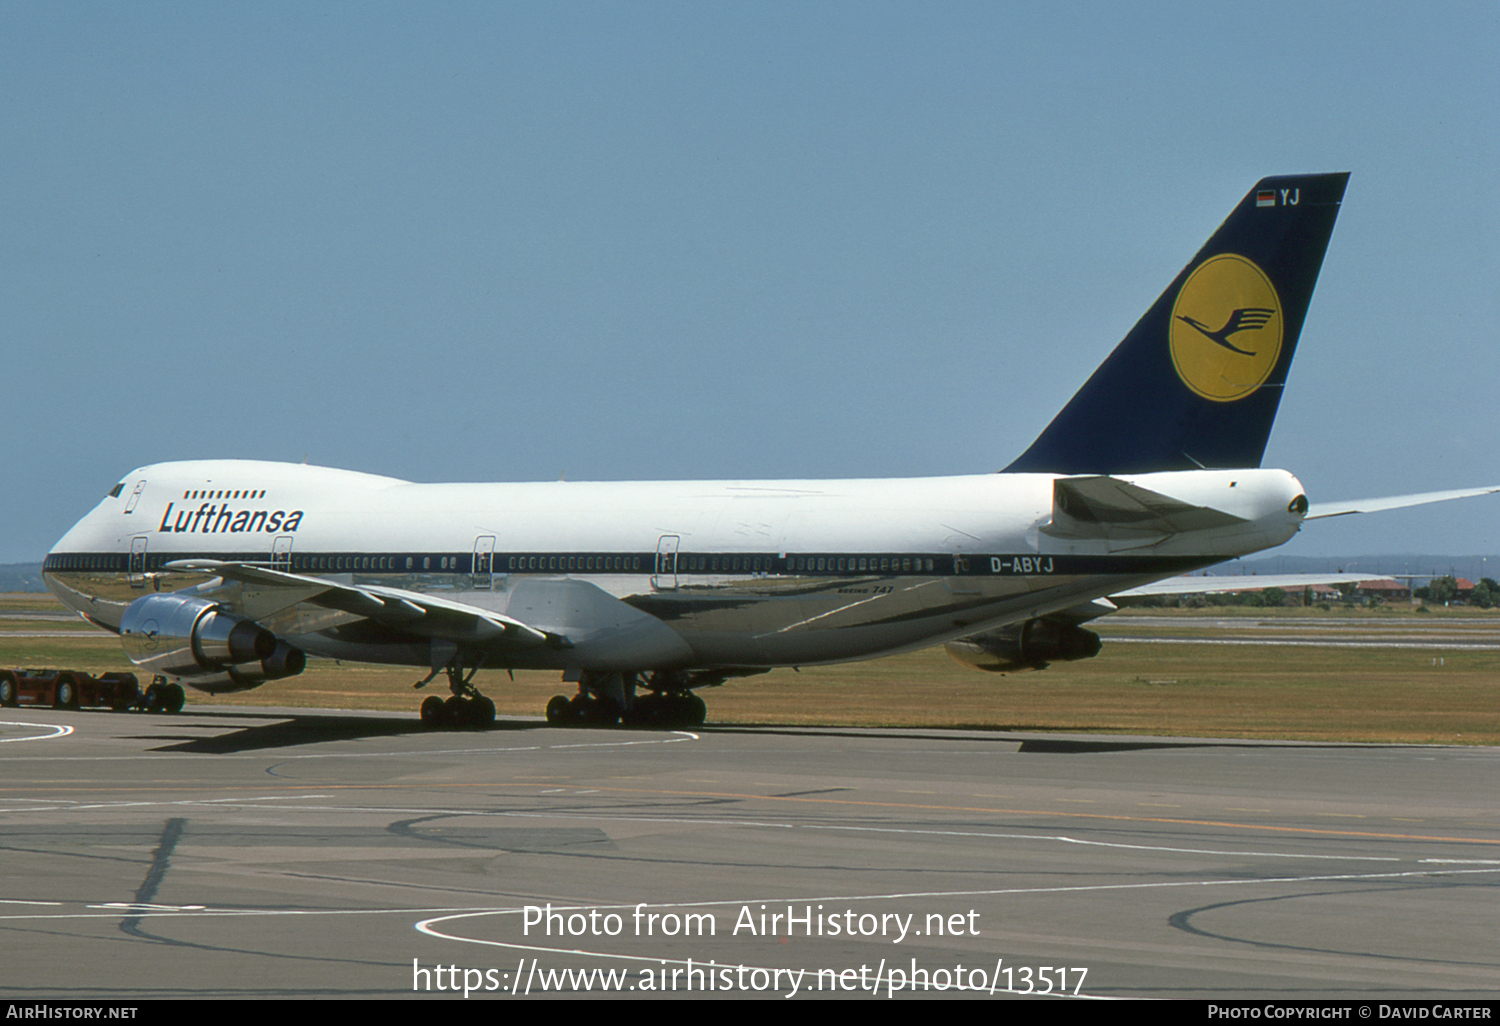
238,853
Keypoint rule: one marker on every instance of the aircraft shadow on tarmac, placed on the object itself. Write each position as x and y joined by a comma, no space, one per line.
279,729
288,730
283,730
1028,745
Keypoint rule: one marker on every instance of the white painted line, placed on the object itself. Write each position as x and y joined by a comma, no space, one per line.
57,730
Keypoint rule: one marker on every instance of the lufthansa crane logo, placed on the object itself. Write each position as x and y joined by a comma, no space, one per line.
1225,331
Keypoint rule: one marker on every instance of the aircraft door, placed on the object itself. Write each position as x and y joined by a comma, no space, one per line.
483,565
665,578
281,554
137,568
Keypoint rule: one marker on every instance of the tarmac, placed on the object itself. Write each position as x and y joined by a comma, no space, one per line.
232,853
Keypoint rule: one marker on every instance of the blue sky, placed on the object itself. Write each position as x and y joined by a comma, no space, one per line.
502,241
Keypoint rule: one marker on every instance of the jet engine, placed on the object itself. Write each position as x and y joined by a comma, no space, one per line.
1026,646
215,650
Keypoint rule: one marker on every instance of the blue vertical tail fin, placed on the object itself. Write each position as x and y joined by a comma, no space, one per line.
1197,381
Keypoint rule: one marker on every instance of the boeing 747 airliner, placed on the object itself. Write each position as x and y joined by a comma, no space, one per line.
226,574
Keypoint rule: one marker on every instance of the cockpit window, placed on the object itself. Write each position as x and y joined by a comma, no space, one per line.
114,493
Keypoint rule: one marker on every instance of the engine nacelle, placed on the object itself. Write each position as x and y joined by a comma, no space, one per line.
1027,646
284,661
182,636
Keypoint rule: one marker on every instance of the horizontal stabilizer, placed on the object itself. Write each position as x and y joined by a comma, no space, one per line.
1106,507
1206,585
1319,510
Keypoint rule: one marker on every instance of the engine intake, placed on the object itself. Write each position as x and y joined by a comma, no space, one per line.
1028,646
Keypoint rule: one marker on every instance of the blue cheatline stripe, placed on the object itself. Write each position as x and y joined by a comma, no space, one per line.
686,563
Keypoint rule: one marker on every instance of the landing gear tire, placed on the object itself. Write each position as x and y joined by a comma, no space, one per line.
455,712
583,711
647,711
481,713
174,699
667,710
466,707
458,711
598,712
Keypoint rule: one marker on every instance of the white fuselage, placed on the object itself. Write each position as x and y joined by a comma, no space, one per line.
741,574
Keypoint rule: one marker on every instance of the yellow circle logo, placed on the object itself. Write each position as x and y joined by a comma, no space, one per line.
1225,330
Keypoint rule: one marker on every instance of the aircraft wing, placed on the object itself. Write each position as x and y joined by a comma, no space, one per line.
1319,510
415,612
1059,636
1201,585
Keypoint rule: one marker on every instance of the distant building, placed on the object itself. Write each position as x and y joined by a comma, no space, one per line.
1385,591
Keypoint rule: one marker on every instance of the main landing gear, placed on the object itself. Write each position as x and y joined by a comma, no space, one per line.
466,707
605,699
